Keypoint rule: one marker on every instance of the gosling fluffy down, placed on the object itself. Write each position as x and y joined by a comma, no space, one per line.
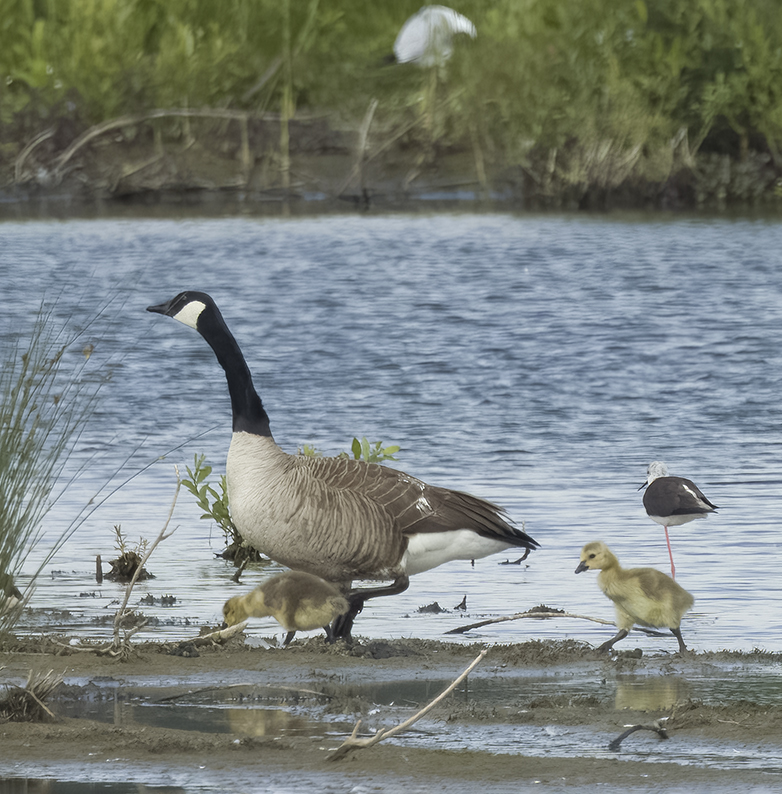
644,596
298,601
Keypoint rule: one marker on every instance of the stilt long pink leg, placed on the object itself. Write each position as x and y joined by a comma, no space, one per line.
670,553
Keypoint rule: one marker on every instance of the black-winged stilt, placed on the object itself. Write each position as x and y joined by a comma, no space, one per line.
672,501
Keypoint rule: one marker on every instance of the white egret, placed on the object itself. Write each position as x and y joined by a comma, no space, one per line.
426,39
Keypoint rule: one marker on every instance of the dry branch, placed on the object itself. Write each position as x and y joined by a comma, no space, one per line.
353,742
221,635
540,614
655,727
530,614
159,113
121,646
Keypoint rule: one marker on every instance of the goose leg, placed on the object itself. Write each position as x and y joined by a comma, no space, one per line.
343,625
288,637
678,634
608,644
670,553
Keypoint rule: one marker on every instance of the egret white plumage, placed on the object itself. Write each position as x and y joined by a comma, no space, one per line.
427,37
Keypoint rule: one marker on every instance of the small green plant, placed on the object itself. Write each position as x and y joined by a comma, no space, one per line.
370,451
214,501
310,451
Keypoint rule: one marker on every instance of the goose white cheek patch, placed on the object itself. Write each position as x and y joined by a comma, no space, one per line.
190,314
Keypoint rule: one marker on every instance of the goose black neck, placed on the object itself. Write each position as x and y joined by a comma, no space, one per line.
249,414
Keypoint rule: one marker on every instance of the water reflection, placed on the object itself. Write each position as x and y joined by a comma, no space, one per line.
651,694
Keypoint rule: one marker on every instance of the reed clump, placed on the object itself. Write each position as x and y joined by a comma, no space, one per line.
28,703
45,402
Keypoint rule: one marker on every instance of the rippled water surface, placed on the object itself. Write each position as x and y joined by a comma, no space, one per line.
541,362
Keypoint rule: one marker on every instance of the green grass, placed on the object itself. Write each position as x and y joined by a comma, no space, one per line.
45,403
573,92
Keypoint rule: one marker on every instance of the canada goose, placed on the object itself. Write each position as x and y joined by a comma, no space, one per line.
641,595
298,601
673,501
336,518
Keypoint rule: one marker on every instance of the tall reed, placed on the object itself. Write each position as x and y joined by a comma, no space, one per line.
45,404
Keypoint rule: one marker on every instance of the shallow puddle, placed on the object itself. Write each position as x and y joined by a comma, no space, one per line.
486,715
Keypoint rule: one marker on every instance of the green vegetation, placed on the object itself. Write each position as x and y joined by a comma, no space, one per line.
45,401
214,501
577,95
214,504
371,452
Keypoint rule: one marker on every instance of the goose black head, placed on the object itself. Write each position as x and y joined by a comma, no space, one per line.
199,311
187,307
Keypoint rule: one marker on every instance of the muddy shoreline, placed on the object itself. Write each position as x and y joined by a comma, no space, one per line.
340,685
129,166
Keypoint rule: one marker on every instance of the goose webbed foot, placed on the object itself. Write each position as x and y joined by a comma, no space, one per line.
288,637
343,625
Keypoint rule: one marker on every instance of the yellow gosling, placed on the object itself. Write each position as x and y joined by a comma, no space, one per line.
644,596
298,601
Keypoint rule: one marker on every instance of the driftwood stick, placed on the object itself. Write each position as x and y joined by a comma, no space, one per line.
162,535
158,113
221,635
40,703
528,615
655,727
353,742
117,646
543,616
24,154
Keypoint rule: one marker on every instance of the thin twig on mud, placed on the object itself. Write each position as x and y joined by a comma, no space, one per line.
656,727
162,535
353,742
541,615
121,646
221,635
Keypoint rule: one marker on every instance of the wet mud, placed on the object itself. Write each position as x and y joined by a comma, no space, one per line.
541,713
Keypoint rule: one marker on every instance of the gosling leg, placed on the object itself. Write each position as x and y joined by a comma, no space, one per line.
678,634
608,644
288,637
343,624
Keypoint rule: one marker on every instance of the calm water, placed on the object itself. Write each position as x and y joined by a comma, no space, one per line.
541,362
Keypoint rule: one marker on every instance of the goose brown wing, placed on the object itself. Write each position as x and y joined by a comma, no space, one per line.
411,504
